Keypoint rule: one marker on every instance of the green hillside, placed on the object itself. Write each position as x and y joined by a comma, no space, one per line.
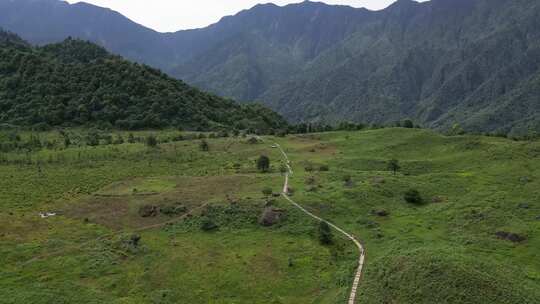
438,62
452,247
77,83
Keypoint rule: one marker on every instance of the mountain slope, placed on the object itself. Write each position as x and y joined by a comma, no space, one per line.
417,61
79,83
441,62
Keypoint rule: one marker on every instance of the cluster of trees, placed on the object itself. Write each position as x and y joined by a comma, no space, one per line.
77,83
304,128
11,141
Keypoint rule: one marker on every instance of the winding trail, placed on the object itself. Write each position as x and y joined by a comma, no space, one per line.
361,250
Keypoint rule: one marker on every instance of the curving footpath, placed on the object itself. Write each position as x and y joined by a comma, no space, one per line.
358,275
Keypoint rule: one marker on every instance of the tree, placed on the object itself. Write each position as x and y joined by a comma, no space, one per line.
151,141
408,124
456,130
263,163
393,165
204,146
325,234
413,196
131,138
92,138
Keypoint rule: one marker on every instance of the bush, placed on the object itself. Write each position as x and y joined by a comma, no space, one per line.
413,196
393,165
204,146
208,225
408,124
263,163
92,138
173,210
131,138
151,141
324,168
325,234
134,240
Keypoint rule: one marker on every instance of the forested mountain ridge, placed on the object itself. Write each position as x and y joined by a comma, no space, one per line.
441,62
76,83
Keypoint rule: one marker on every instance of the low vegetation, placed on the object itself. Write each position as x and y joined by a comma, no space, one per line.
138,222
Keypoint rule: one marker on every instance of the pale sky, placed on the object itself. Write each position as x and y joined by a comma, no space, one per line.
174,15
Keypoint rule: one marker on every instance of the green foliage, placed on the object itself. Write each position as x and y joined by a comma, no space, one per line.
208,225
393,165
151,141
413,196
325,234
457,130
76,83
408,124
204,146
324,168
427,276
263,163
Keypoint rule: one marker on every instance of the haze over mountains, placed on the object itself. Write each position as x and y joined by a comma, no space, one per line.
473,62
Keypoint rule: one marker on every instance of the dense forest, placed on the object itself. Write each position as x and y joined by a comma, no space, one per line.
77,83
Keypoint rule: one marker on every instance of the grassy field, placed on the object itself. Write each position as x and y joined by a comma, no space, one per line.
100,249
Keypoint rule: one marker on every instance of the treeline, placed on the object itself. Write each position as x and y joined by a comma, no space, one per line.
304,128
32,142
77,83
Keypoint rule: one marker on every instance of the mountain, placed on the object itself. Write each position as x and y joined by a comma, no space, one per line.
76,83
442,62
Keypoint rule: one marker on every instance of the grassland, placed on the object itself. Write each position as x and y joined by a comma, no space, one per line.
443,251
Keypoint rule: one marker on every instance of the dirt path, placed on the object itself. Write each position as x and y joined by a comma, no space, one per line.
358,275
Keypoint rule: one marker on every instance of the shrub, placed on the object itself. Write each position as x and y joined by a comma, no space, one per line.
151,141
325,234
324,168
263,163
131,138
173,210
92,138
204,146
408,124
393,165
208,225
413,196
134,240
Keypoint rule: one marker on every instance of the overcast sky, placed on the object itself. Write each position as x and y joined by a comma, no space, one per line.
173,15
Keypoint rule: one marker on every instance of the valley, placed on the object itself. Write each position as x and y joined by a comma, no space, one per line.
205,225
293,154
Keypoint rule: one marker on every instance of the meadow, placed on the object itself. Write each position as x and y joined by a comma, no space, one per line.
473,238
